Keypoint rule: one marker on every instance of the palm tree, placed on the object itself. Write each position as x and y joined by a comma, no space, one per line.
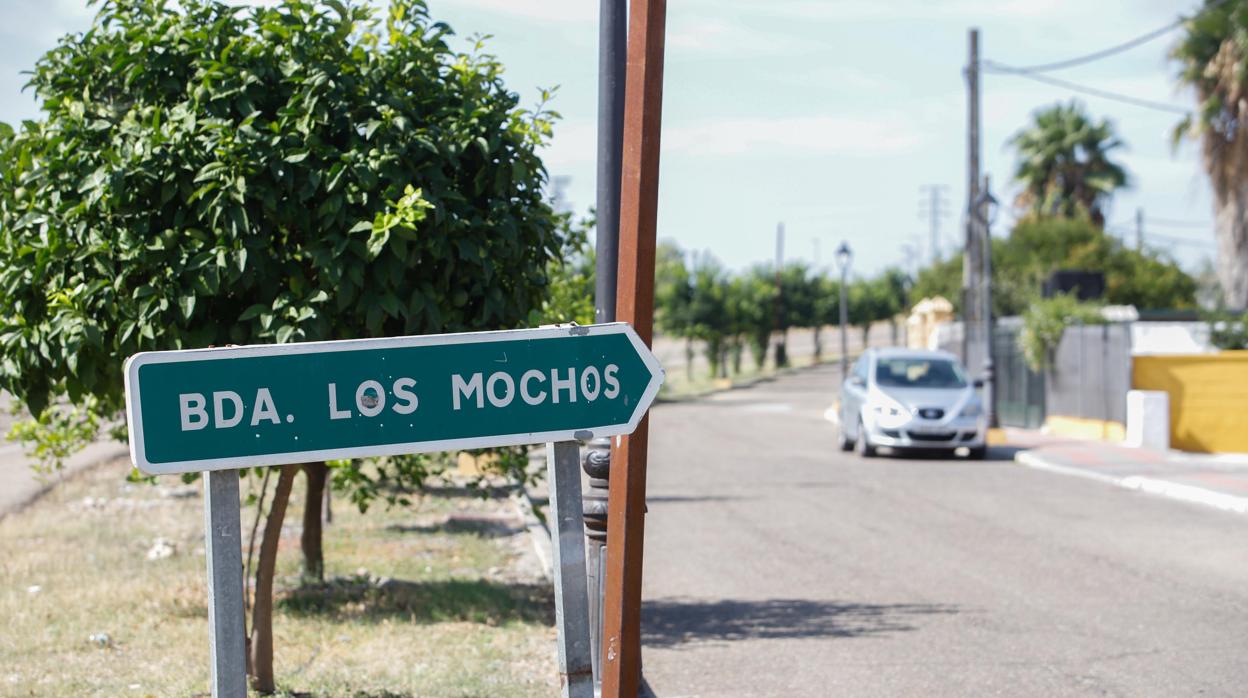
1212,56
1064,165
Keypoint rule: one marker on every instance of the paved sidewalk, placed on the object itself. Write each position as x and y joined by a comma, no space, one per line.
1217,480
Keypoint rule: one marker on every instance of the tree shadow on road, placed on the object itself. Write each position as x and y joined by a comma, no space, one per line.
672,622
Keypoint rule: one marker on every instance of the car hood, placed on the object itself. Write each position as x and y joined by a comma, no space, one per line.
951,400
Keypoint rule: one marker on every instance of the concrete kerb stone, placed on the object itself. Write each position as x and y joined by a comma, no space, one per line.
1148,485
539,531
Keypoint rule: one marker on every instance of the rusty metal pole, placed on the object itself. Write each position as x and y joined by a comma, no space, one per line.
639,197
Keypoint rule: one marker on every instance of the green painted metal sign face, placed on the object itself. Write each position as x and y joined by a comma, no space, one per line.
212,409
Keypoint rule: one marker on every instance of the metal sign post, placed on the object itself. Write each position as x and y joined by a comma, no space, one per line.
563,469
218,410
224,553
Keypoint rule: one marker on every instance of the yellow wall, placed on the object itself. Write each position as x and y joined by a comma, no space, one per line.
1084,428
1208,398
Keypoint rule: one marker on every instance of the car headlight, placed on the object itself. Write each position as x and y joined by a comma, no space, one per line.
890,414
972,409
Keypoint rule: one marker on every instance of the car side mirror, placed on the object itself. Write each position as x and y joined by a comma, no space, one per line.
978,382
857,381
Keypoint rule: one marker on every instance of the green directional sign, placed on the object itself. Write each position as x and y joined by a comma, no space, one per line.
212,409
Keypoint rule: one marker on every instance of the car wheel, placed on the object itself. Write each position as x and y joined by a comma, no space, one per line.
842,438
977,453
861,445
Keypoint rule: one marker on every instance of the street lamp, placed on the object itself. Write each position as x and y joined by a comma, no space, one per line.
986,210
844,256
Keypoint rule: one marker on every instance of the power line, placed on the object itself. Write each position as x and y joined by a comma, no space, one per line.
1112,50
993,67
1175,240
1124,229
1098,55
1173,223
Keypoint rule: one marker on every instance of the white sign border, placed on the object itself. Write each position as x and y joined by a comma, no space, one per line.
134,363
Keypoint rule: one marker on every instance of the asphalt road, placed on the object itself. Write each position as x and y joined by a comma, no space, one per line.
778,566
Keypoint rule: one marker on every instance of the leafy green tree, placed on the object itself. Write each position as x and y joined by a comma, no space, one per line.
881,298
942,278
758,292
1046,321
708,311
740,311
1064,163
203,175
570,293
1040,245
673,296
893,290
1212,56
825,308
796,306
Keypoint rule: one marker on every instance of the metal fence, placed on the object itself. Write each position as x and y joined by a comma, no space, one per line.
1091,373
1020,390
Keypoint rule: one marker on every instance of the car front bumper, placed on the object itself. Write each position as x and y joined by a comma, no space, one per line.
963,432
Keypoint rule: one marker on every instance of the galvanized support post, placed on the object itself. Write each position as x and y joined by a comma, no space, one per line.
224,552
597,465
612,52
571,597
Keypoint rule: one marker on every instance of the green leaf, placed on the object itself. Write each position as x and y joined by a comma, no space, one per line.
252,312
187,305
377,242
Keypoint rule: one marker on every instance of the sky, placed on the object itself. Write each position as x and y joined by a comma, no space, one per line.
826,115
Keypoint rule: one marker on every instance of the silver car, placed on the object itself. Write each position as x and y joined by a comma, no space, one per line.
910,399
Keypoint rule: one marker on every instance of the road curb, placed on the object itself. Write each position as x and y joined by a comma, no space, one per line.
1148,485
539,532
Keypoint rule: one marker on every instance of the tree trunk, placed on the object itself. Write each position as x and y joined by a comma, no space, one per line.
310,540
1232,264
689,359
782,351
818,345
262,611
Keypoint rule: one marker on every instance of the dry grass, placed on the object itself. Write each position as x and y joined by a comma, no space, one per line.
441,599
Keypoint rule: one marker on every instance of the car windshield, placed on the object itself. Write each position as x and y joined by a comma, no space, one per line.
913,372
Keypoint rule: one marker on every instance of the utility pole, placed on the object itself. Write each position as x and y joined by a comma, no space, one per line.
612,49
782,356
985,211
933,207
1139,229
970,261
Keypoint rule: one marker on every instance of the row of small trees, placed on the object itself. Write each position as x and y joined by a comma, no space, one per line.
698,300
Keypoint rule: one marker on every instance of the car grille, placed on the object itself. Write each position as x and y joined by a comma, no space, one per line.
931,436
931,412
